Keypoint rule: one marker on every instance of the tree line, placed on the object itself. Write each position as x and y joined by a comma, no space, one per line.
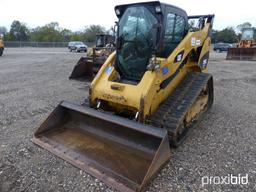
52,32
230,34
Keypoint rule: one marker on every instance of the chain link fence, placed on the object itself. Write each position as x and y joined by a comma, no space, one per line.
40,44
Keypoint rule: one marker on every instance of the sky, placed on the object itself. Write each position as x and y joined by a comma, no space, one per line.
77,14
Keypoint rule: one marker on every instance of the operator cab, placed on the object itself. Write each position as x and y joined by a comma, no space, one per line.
247,34
103,40
145,30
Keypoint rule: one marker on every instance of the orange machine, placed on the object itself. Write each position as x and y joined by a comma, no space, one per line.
246,48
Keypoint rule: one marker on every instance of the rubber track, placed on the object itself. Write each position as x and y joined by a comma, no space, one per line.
171,113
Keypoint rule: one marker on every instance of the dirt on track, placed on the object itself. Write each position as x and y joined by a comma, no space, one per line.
34,80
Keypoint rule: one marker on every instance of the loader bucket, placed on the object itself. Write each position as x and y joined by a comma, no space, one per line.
83,69
248,54
87,67
122,153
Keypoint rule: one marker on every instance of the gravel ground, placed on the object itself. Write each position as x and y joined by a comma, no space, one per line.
34,81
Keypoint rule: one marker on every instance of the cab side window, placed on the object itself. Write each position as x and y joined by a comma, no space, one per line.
179,28
174,33
170,21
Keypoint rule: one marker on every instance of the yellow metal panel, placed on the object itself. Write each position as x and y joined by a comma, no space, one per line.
148,89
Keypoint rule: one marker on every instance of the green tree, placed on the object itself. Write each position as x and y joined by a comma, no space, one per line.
3,30
240,27
66,34
77,36
18,32
227,35
91,32
50,32
213,36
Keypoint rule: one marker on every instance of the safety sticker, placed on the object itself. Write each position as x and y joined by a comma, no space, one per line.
108,69
204,64
193,41
179,57
198,42
165,70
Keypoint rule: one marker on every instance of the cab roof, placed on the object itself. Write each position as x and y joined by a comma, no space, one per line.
164,7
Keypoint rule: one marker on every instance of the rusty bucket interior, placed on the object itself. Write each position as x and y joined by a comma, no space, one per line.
83,69
87,67
122,153
248,54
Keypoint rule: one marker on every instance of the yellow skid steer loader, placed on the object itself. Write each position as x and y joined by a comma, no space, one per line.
88,66
148,94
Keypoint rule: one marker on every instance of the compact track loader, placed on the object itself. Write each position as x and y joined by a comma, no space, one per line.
246,48
148,94
87,67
